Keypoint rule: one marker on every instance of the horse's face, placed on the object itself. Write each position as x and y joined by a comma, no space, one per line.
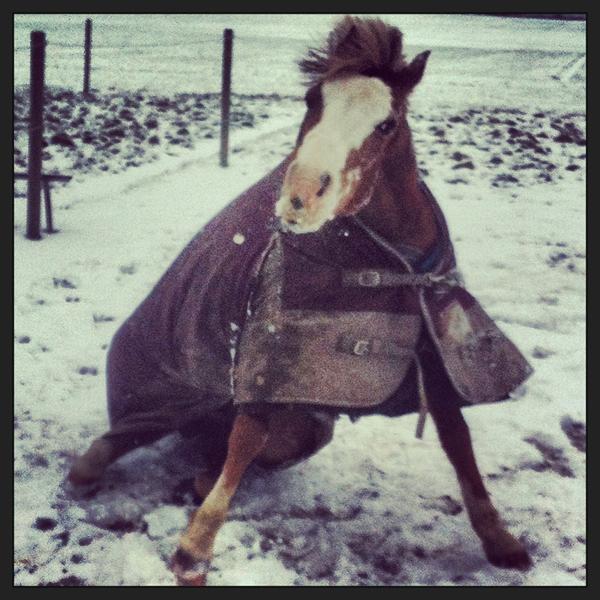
349,127
342,142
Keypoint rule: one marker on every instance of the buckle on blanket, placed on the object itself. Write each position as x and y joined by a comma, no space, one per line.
369,278
361,347
349,344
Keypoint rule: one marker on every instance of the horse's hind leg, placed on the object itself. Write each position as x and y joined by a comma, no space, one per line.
90,466
192,558
501,548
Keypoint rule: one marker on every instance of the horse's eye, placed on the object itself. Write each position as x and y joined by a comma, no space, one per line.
386,126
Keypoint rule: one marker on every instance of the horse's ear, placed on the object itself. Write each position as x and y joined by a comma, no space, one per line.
412,74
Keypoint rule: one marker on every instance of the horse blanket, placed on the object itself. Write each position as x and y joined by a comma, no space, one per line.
248,315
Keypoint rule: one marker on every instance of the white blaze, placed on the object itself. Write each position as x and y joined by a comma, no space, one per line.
352,107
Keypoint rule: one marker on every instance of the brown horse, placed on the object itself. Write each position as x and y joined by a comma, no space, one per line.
353,157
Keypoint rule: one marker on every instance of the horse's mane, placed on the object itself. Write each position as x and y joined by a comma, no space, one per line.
356,46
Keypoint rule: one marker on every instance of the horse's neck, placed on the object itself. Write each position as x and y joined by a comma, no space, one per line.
399,211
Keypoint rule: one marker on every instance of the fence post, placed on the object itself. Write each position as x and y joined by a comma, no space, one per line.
226,94
87,56
48,207
36,130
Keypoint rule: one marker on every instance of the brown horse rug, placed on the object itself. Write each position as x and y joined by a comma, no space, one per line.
335,320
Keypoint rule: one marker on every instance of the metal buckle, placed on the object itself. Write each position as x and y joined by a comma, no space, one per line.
429,279
361,347
369,279
450,279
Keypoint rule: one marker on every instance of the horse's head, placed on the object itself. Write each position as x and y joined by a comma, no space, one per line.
356,107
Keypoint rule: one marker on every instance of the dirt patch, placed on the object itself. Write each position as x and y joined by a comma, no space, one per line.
527,147
118,130
444,504
553,458
575,431
68,581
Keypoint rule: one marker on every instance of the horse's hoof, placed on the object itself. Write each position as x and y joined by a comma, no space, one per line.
517,559
188,571
81,477
90,467
81,491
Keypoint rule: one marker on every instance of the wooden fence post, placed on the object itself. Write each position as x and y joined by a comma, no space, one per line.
36,130
226,94
48,207
87,56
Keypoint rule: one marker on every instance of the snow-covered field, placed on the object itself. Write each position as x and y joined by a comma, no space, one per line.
499,128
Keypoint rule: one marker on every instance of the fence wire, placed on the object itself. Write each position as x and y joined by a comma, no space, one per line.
190,65
116,46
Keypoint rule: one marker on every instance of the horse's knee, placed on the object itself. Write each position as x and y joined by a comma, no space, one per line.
293,435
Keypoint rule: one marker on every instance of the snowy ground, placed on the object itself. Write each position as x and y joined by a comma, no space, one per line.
376,506
183,52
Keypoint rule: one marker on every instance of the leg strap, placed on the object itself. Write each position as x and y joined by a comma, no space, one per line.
422,400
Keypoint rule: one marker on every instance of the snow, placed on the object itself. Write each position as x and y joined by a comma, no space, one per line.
183,52
499,131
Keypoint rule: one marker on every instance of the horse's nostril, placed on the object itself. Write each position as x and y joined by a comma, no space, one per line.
297,203
325,181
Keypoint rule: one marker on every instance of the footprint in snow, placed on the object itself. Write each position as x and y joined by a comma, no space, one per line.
553,458
575,431
64,283
539,352
128,269
100,318
87,371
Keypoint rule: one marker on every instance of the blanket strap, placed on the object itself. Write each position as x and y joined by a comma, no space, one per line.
380,278
373,278
361,347
422,399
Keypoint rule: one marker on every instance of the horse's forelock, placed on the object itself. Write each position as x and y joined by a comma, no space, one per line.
356,46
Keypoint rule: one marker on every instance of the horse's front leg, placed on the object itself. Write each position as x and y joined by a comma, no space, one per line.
191,561
501,548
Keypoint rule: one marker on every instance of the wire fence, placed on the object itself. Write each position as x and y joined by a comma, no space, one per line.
36,179
119,47
178,61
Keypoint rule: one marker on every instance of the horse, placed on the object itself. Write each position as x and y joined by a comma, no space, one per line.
172,365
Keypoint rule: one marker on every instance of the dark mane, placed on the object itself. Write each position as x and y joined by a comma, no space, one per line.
356,46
